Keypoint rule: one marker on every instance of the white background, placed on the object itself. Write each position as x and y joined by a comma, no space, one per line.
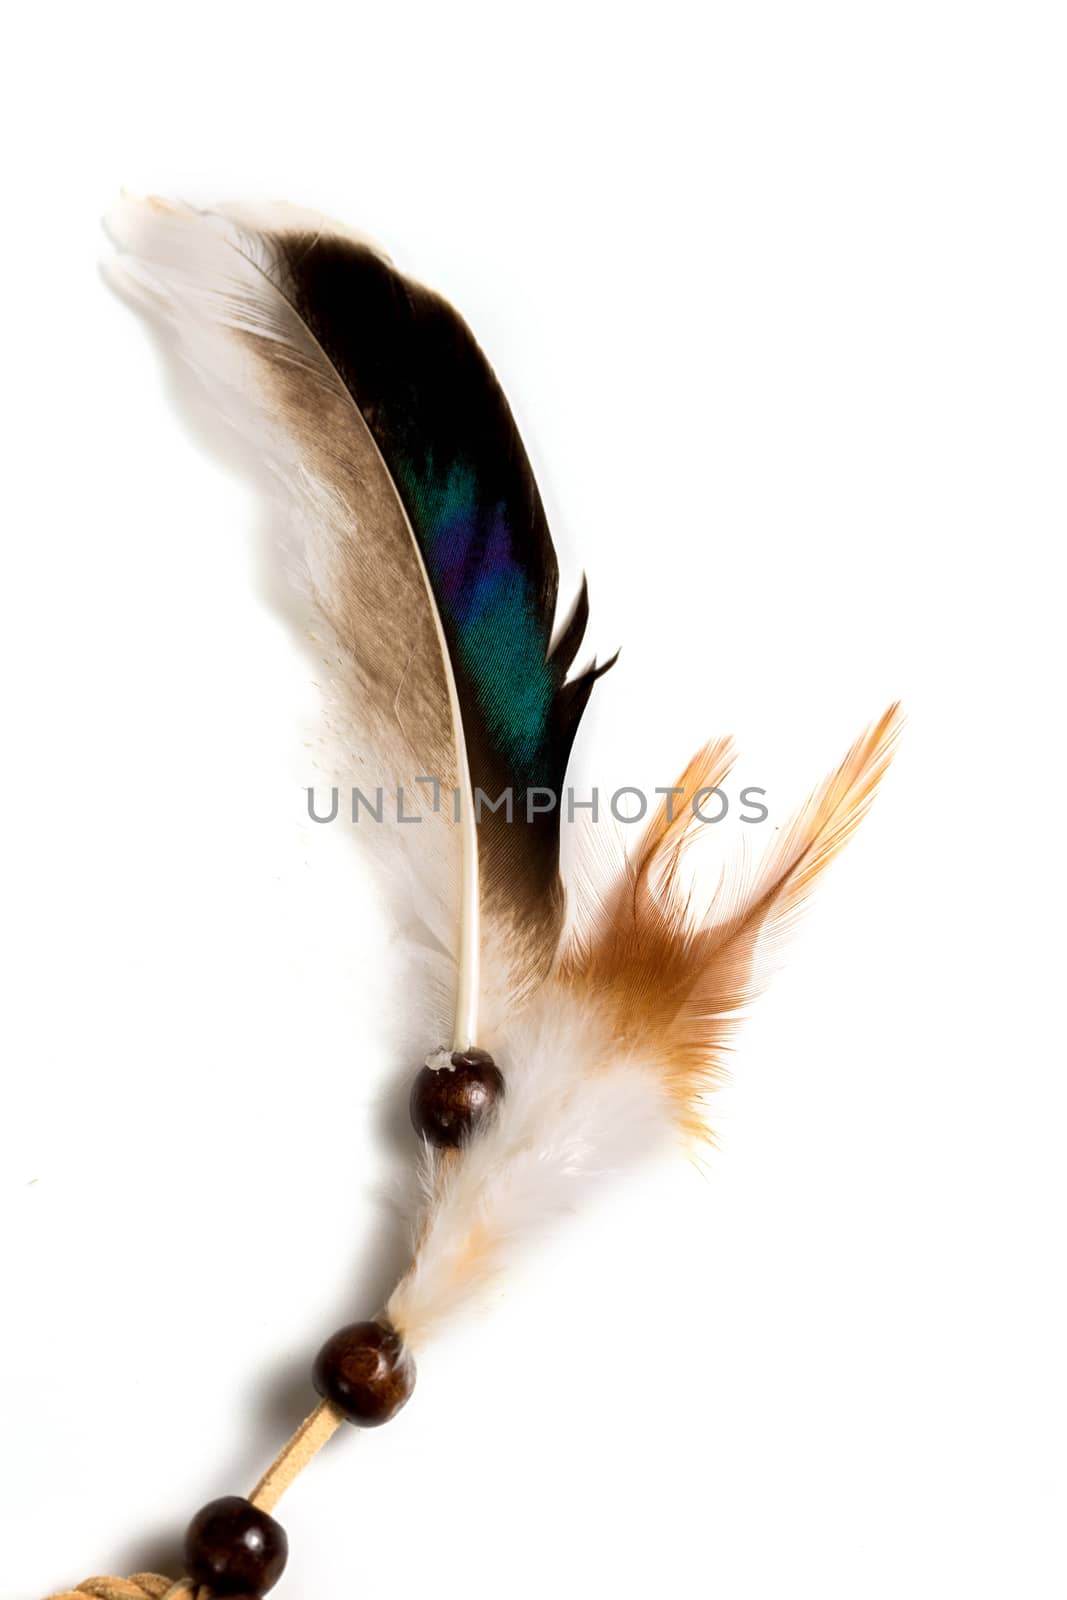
778,293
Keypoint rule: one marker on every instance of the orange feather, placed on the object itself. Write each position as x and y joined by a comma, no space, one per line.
678,979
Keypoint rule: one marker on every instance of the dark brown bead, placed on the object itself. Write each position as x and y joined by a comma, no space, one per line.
234,1548
450,1102
366,1371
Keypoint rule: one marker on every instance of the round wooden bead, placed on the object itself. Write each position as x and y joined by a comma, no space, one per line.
451,1101
233,1548
366,1371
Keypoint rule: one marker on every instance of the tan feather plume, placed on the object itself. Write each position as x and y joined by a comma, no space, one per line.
683,979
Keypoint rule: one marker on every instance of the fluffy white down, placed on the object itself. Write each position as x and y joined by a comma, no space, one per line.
576,1110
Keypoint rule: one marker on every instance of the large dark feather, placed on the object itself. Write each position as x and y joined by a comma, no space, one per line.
450,444
426,542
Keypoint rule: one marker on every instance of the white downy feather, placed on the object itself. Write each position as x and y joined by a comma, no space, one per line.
578,1108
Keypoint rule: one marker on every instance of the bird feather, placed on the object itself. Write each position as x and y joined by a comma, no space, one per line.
428,556
424,543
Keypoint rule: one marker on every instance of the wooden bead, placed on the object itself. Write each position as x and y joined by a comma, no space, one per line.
450,1102
234,1548
366,1371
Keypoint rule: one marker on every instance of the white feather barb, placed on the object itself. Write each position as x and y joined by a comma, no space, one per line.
209,276
576,1111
